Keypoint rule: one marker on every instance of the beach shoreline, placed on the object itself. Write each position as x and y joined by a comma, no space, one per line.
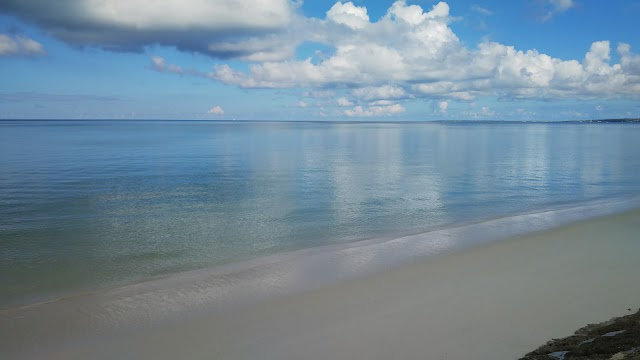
499,299
398,250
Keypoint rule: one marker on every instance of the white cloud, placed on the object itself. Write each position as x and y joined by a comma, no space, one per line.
409,53
343,101
556,7
19,45
412,15
375,111
302,104
158,63
439,10
443,106
216,110
373,54
348,14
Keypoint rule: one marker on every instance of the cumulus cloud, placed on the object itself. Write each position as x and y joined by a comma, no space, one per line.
159,64
408,53
130,25
216,110
348,14
18,45
411,53
405,42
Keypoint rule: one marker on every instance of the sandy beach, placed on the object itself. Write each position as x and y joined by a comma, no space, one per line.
495,301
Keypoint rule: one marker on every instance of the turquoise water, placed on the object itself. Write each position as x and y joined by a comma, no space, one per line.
94,204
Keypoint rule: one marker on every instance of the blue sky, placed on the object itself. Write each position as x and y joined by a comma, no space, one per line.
320,60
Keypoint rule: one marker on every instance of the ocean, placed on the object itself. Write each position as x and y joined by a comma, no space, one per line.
89,205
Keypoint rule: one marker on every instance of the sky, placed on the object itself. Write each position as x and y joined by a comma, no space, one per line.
320,60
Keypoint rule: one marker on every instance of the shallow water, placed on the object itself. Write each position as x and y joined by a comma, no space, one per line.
565,275
93,204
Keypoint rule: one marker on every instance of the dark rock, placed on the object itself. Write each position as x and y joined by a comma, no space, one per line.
596,341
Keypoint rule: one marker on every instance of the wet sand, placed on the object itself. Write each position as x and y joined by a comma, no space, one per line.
495,301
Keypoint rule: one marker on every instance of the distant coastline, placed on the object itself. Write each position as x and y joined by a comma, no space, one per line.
465,121
625,120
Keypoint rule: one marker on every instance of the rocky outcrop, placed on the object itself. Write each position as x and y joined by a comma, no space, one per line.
616,339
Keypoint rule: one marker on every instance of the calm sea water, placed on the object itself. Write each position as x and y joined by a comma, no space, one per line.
93,204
